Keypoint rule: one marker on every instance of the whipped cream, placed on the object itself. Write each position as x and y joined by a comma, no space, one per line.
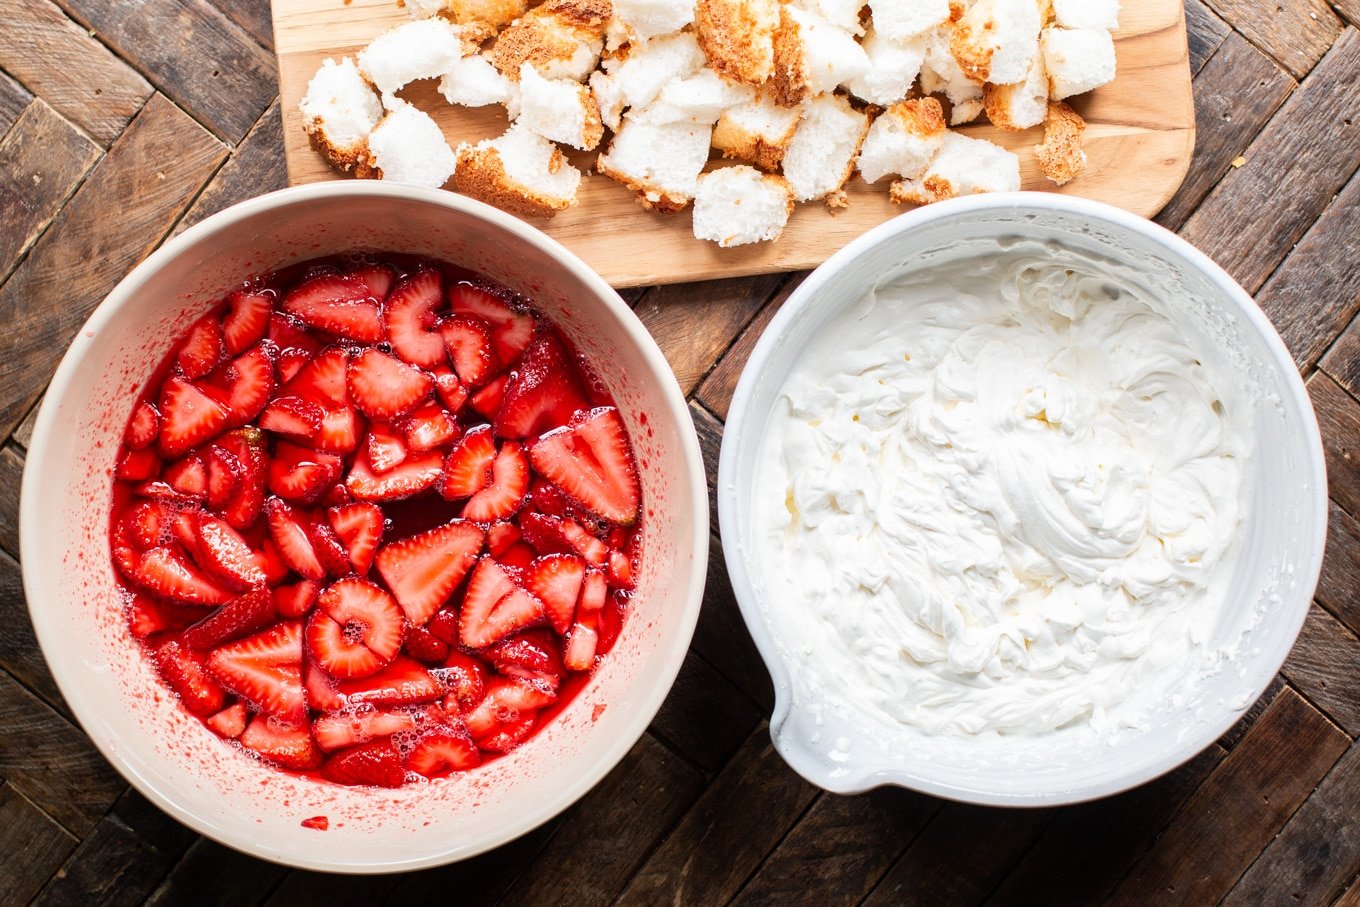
1001,497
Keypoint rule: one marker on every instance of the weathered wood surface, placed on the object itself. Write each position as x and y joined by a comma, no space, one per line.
122,123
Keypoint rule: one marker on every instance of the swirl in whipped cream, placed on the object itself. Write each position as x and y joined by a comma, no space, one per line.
1000,497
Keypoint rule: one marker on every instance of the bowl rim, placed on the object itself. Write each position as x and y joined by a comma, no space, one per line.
692,486
867,777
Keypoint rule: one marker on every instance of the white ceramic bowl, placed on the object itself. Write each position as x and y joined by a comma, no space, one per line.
114,691
1285,523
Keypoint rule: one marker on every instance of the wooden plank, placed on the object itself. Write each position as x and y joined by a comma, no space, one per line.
23,435
1339,588
210,875
961,855
1096,843
253,17
1338,415
694,323
42,160
69,69
1318,852
254,168
587,860
716,846
1299,161
13,99
323,889
705,717
51,762
716,391
140,187
1204,32
1296,34
11,473
122,860
1234,734
1252,793
33,846
481,880
1342,361
1324,665
710,431
837,853
192,53
722,639
19,652
1316,292
1236,93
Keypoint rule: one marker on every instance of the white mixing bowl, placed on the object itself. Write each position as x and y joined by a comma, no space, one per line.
114,691
1284,522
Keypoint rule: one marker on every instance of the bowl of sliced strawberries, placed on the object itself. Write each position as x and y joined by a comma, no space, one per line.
364,527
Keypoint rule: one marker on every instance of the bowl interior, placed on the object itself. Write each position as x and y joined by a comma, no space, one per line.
1282,532
114,691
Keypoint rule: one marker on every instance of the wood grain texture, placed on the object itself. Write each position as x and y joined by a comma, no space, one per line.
19,652
210,875
69,69
13,99
33,846
706,717
1300,160
253,18
1204,32
1338,415
11,474
716,391
1325,666
24,433
42,160
1139,140
149,177
1339,588
481,880
710,432
256,167
1253,792
1233,736
722,639
1296,34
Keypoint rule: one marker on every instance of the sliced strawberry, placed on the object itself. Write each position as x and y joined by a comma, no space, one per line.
374,765
340,432
509,482
270,562
417,474
487,401
518,555
356,630
164,572
611,622
337,496
338,730
547,498
337,304
513,337
139,465
292,416
322,379
593,592
423,570
378,279
509,734
328,547
501,537
468,468
467,679
148,524
143,427
265,670
531,654
550,534
511,329
444,625
189,417
245,384
188,476
451,391
556,580
442,750
224,554
620,569
184,529
591,462
146,616
494,607
289,532
506,700
360,528
582,642
542,393
287,744
185,672
403,682
383,387
247,446
293,338
296,600
320,688
230,722
410,319
247,319
300,474
224,476
430,427
236,618
386,448
468,342
202,349
422,645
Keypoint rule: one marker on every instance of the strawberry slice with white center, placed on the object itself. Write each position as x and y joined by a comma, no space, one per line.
247,447
320,688
300,474
378,279
184,670
467,679
500,537
542,393
468,468
494,607
487,401
506,701
530,654
430,427
203,348
189,417
415,475
511,329
338,730
292,539
509,734
292,416
383,387
224,476
356,630
246,614
247,319
360,528
244,384
147,524
442,750
322,379
556,580
230,722
410,319
265,670
423,570
375,764
297,599
337,304
286,744
591,462
468,341
341,429
224,555
583,637
329,549
143,427
189,477
164,572
451,391
386,448
509,483
551,534
403,682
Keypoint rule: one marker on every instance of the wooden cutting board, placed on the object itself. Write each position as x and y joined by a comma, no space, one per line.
1140,136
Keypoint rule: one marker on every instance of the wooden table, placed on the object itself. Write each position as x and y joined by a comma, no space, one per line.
124,122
